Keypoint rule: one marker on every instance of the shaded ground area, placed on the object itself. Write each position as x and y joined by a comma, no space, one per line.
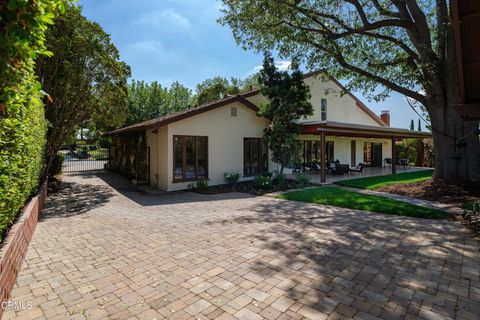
439,192
121,254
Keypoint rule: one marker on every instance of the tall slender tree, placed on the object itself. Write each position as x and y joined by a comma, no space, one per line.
405,46
288,101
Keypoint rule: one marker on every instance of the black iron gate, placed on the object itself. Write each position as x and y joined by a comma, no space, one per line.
84,157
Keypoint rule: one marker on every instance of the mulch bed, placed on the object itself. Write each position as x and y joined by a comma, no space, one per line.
444,193
250,187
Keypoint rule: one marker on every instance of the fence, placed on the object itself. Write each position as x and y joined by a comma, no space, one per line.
84,158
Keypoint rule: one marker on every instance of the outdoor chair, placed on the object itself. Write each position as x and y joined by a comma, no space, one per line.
358,169
341,169
387,161
404,162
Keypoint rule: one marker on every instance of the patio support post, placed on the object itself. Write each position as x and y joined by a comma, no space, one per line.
394,156
323,170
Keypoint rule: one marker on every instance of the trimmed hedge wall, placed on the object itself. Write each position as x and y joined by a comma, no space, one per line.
22,121
22,141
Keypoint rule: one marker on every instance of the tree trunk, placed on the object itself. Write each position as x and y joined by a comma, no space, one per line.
456,146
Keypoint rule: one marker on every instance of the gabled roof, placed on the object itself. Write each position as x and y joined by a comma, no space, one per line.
170,118
359,103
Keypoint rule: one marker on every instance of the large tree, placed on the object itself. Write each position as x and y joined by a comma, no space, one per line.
216,88
146,101
405,46
84,77
288,101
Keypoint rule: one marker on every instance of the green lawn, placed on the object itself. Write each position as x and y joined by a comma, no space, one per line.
339,197
381,181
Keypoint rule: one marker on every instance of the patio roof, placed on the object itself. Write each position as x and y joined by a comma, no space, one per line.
332,128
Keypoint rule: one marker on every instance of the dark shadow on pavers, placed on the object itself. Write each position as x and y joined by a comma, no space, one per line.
74,199
359,258
155,197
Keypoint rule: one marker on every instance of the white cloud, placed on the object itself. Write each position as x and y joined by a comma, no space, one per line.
169,20
281,65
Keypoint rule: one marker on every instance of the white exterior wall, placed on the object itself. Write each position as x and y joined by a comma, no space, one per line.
340,108
225,143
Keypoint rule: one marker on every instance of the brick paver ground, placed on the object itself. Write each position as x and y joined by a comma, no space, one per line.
100,253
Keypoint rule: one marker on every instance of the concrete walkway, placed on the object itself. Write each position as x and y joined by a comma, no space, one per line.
115,253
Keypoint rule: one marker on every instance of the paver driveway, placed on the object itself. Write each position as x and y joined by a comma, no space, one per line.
98,253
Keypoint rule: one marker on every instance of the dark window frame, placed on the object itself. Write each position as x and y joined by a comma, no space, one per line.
311,152
184,158
323,109
262,151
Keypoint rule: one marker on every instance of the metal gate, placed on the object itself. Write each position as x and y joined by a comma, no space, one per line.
85,157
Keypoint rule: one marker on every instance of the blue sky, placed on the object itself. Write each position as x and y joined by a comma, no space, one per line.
169,40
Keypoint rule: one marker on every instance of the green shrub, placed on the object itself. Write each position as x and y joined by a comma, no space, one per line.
22,119
302,179
231,177
56,166
263,181
201,185
279,178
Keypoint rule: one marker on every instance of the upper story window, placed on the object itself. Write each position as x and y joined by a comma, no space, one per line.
323,106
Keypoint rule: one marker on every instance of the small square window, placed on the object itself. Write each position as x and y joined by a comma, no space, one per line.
233,111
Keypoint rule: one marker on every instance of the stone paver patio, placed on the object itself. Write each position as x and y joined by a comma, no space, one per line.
104,253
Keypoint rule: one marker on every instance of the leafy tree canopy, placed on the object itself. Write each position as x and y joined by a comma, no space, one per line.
84,77
216,88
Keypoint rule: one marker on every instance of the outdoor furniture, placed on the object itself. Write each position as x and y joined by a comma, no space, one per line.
341,169
403,162
387,161
358,169
330,167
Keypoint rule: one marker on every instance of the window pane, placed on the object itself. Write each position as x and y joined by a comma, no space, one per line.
264,157
202,170
190,158
324,105
254,156
246,157
178,150
324,109
330,153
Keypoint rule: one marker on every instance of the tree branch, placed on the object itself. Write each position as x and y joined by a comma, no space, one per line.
384,11
338,56
365,30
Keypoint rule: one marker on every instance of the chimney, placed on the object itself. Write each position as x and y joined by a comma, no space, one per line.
385,116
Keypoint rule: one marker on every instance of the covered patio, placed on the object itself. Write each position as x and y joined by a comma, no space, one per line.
357,144
315,177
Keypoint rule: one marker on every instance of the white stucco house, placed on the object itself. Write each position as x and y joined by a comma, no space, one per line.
226,136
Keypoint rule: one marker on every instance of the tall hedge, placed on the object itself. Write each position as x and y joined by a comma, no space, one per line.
22,121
